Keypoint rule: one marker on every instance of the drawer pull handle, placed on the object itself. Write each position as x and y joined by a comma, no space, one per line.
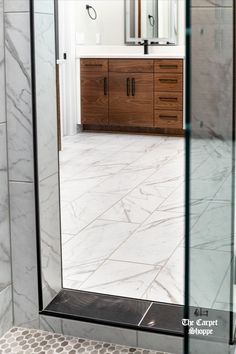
128,86
169,99
105,82
93,65
169,66
133,87
169,117
172,81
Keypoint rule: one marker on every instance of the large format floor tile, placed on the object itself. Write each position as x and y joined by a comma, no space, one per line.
122,203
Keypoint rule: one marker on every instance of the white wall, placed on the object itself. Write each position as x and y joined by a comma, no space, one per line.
109,25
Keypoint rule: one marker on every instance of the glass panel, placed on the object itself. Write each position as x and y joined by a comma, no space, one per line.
47,157
211,178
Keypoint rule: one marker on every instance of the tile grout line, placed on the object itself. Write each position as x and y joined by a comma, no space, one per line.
145,313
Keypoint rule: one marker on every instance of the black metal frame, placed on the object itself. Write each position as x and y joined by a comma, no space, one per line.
47,311
59,314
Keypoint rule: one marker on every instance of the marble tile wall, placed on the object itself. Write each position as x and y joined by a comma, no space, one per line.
47,149
6,314
212,122
20,160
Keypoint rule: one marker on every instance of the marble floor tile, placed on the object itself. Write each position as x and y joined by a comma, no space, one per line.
121,278
122,210
94,244
140,203
169,284
153,242
79,213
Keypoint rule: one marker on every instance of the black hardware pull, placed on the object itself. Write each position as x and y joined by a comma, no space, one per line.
169,117
169,99
172,81
133,87
94,65
168,66
105,83
128,86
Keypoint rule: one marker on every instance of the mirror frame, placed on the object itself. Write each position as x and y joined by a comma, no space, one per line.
153,41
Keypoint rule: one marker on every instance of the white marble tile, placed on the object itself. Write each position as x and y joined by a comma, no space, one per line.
16,5
153,242
140,203
73,189
125,181
93,245
123,157
213,53
75,274
18,81
6,313
222,300
5,252
46,94
208,269
2,68
50,237
25,284
168,286
78,214
161,342
213,230
121,278
44,6
210,3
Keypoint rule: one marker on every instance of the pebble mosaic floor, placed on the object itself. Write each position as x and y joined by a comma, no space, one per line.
29,341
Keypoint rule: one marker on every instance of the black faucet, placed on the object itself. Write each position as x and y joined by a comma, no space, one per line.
145,45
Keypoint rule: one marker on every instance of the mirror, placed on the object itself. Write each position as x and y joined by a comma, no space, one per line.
155,20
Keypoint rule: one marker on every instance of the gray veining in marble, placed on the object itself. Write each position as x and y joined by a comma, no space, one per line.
23,241
2,67
19,112
124,191
5,252
47,149
46,95
50,238
6,313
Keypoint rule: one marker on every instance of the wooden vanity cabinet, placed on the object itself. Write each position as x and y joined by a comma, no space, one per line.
94,91
168,92
131,93
138,93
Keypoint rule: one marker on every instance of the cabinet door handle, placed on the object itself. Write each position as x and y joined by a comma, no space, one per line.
168,66
169,117
94,65
133,87
128,86
105,87
172,81
169,99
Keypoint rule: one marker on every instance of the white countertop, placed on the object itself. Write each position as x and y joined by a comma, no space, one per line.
130,52
129,56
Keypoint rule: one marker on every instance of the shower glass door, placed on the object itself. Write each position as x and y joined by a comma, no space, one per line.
210,179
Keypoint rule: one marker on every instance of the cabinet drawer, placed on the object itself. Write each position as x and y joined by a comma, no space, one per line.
93,65
168,66
169,100
131,65
168,119
168,82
